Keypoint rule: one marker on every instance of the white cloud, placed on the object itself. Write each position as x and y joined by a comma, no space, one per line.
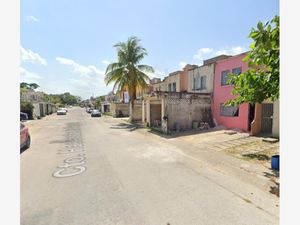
32,57
105,62
90,80
231,50
32,19
202,52
29,75
157,73
206,53
80,69
182,64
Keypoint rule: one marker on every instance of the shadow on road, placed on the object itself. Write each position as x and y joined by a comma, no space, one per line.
274,175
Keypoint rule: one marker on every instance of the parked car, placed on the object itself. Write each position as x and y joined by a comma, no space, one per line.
61,111
24,137
89,110
65,109
95,113
23,116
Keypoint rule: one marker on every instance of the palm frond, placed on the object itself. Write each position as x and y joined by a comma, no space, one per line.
146,68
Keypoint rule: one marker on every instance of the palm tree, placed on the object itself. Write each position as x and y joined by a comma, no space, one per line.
127,74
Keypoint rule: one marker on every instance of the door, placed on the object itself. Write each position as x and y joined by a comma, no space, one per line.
251,115
266,118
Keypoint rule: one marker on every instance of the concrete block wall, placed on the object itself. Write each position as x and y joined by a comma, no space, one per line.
188,109
116,108
137,111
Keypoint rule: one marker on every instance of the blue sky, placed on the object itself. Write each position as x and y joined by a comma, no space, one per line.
66,44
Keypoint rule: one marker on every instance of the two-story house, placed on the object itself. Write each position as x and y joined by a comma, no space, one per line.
177,81
230,116
201,78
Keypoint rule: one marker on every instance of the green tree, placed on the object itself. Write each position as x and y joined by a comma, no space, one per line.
261,81
29,86
24,85
98,103
27,107
127,74
33,86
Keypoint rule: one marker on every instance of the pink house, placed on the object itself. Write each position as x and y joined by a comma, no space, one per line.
231,117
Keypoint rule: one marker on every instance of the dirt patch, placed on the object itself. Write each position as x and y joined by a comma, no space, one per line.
259,152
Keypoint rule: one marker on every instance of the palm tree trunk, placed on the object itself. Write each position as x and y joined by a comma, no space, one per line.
131,104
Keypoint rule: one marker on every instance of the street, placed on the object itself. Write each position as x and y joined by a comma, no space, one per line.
80,170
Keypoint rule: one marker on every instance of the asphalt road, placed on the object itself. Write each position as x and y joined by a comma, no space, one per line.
80,171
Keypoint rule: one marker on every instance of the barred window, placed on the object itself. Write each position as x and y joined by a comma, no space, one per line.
224,77
231,111
174,87
203,83
237,71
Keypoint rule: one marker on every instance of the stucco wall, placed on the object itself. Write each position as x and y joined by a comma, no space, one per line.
183,80
223,93
206,70
117,107
158,86
170,80
137,111
185,110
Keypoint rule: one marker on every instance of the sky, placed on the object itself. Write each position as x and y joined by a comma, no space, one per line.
67,44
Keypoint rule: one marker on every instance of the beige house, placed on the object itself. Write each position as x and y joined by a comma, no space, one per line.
171,83
201,78
176,81
32,96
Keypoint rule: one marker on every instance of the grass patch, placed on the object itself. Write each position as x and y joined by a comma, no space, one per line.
107,113
260,157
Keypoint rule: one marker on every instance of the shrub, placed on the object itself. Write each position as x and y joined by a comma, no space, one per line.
27,107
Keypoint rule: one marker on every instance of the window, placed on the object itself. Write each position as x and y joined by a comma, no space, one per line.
224,77
174,87
203,83
196,84
237,71
231,111
169,87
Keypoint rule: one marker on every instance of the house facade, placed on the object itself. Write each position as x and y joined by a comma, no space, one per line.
32,96
177,81
172,82
201,78
239,117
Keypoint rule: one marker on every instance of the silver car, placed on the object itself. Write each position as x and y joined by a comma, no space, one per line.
95,113
61,111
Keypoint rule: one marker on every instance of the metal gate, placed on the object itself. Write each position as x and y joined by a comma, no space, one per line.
266,118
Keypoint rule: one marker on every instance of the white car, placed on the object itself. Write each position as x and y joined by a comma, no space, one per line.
61,111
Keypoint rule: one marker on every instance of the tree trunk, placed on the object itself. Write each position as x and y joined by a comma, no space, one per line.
131,103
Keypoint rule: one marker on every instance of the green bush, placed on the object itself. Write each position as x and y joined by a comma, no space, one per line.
27,107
